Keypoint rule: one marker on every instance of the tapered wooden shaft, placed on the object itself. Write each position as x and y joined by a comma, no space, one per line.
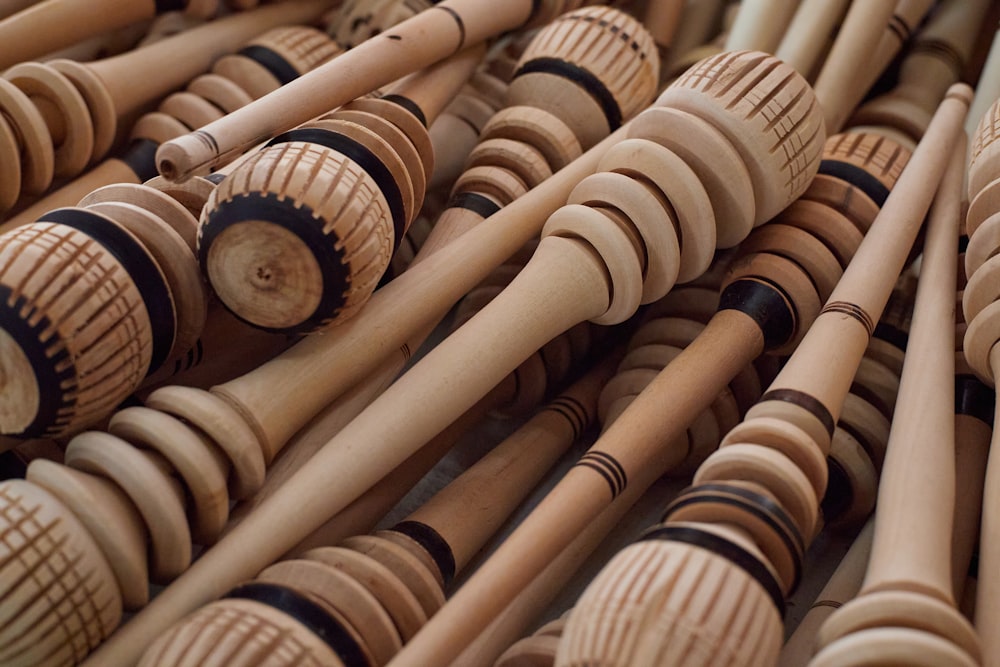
53,24
843,586
760,25
384,58
690,559
61,115
911,553
809,32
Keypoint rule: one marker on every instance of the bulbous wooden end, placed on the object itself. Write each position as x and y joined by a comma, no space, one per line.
242,633
58,596
767,111
592,68
296,236
668,602
79,334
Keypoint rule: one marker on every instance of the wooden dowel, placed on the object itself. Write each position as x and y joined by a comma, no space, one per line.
809,33
767,453
760,25
384,58
909,577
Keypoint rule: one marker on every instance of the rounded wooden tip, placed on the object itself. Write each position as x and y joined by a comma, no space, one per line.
769,113
666,602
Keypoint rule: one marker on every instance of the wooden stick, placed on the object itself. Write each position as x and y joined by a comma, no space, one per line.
556,310
842,587
233,81
456,24
807,35
910,587
936,60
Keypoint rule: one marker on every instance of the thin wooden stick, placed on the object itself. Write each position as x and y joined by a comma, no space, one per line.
455,24
908,587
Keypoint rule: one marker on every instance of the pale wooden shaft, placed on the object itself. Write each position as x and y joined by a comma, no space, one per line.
700,20
868,280
53,24
842,586
807,35
175,60
468,511
361,516
637,440
384,58
321,367
859,36
760,25
987,618
916,492
381,437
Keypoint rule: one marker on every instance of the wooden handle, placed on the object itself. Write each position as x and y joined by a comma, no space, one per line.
760,25
809,34
359,20
456,24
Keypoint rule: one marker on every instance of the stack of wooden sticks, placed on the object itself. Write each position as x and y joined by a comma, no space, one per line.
681,275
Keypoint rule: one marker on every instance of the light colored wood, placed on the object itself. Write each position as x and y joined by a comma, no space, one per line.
936,59
760,25
379,60
918,515
581,301
859,35
809,33
59,112
843,585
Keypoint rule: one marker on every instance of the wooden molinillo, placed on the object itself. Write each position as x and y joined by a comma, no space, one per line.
455,24
981,306
707,579
421,556
359,20
906,612
60,116
576,288
278,248
260,66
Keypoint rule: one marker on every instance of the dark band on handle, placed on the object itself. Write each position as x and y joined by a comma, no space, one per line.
765,304
433,544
